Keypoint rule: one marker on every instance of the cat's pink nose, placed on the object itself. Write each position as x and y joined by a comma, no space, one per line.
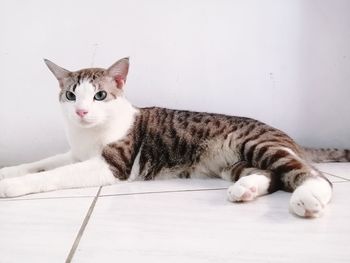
81,113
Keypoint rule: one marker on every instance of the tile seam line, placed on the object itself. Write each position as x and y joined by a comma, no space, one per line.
165,192
83,227
107,195
46,198
341,182
181,191
336,176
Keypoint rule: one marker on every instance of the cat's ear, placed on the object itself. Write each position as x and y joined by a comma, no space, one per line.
119,71
60,73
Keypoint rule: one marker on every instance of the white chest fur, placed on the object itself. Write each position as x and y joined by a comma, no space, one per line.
88,142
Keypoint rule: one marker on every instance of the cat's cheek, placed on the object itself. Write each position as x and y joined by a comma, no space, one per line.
99,116
68,111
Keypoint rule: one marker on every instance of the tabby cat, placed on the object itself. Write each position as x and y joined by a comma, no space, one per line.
112,141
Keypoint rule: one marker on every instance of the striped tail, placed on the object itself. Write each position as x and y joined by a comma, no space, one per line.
327,155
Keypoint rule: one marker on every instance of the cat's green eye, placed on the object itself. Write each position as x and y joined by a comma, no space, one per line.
101,95
70,95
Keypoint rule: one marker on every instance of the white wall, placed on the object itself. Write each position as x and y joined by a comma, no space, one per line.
284,62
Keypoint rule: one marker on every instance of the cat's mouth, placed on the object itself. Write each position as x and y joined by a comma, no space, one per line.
86,123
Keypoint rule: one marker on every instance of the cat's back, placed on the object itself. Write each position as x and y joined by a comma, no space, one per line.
191,130
186,117
192,124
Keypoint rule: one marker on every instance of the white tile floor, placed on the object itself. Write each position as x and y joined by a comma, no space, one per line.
172,221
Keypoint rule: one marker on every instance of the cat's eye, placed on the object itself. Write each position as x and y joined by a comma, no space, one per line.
70,95
101,95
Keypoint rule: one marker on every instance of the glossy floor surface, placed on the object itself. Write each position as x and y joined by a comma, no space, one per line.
172,221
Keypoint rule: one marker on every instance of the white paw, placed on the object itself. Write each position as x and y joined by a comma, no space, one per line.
310,199
13,187
248,188
13,171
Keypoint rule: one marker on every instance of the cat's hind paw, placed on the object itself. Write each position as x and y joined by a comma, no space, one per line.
240,193
310,199
248,188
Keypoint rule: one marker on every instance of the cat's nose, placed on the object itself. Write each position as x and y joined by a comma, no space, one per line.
81,113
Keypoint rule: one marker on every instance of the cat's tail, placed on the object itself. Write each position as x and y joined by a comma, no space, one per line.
327,155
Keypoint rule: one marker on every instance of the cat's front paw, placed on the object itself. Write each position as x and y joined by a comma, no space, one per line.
13,187
13,171
310,199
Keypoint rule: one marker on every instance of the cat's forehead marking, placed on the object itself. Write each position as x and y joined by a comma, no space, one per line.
90,74
97,77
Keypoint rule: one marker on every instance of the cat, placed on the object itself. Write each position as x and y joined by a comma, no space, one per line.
112,141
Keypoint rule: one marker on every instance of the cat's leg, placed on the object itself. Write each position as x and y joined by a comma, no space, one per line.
280,168
249,183
93,172
311,189
35,167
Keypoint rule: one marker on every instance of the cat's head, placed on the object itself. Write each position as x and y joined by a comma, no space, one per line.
90,96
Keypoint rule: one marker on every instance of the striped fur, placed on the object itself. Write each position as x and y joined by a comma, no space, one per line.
191,144
327,155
